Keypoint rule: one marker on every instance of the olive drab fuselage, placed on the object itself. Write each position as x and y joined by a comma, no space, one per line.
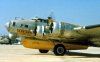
39,33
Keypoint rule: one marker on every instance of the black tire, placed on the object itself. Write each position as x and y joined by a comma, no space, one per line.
43,51
59,50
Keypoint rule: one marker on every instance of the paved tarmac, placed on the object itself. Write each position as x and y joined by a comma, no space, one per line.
18,53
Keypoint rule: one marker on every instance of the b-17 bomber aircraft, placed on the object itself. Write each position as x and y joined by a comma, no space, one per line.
59,37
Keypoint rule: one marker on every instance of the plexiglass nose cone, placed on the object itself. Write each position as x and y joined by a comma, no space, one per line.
7,25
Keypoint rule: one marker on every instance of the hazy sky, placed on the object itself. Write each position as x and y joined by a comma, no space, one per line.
83,12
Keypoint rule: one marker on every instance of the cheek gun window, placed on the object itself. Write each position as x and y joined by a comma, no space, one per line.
21,25
14,24
26,26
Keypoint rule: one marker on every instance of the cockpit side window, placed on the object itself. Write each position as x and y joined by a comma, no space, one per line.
43,20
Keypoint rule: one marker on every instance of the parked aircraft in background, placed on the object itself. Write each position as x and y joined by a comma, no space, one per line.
47,34
5,39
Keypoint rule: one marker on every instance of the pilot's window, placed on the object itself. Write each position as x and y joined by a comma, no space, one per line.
26,26
14,23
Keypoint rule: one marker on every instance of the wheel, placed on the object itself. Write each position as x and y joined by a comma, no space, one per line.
59,50
43,51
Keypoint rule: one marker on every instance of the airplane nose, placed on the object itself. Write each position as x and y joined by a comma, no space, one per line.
7,25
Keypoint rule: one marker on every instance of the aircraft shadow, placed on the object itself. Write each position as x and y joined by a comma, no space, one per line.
83,54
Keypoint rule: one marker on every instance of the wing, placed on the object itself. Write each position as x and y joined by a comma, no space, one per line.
95,42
